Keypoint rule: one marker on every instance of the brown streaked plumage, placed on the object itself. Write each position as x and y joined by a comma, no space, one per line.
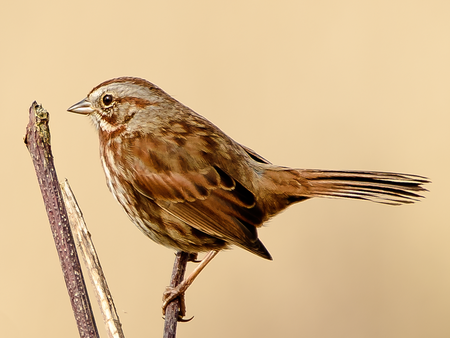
189,186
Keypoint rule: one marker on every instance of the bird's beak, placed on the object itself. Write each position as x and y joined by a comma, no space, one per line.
83,107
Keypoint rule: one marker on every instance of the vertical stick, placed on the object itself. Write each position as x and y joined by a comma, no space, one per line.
172,310
37,140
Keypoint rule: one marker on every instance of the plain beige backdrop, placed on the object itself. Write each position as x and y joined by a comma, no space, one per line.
311,84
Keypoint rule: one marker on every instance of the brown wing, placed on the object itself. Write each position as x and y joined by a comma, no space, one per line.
194,190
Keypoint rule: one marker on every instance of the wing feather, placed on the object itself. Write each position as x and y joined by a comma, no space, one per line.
204,196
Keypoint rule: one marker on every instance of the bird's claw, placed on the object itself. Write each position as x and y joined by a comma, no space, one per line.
181,319
169,295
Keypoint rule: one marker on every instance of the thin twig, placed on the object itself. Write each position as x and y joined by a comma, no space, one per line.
92,263
37,140
172,310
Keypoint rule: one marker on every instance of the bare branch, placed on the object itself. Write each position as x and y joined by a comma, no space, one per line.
173,309
37,140
92,263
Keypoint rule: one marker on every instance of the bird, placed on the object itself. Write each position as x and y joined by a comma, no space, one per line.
190,187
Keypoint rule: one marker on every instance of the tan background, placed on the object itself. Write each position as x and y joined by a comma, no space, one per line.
312,84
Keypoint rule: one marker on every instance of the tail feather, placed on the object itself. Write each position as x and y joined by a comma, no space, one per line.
379,187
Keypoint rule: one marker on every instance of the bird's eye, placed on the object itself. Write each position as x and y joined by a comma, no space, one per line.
107,100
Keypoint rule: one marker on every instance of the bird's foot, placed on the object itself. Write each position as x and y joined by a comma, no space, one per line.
171,294
178,291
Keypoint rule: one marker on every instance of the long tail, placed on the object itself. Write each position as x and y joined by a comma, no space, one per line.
379,187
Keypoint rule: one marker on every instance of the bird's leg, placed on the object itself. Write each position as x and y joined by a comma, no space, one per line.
173,292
